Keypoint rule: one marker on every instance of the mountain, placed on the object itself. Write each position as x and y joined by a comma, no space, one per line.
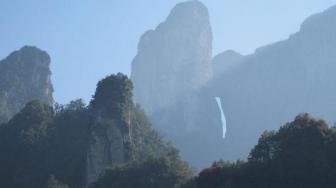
173,63
226,61
110,142
24,76
257,91
278,81
174,59
75,143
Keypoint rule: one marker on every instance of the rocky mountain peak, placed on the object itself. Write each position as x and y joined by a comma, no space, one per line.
110,136
190,12
24,76
173,59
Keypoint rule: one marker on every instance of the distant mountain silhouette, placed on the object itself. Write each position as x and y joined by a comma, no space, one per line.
172,64
279,81
176,86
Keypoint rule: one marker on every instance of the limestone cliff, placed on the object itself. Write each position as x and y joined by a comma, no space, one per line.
24,76
174,58
120,131
172,65
279,81
110,127
260,91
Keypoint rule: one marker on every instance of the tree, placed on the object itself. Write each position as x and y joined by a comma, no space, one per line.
70,140
146,141
40,141
53,183
300,154
265,150
24,143
114,95
153,173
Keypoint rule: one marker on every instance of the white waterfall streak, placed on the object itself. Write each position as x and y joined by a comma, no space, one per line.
223,119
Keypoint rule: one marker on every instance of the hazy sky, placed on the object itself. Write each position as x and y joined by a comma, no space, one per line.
89,39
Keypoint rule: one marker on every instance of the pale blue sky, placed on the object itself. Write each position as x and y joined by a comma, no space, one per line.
89,39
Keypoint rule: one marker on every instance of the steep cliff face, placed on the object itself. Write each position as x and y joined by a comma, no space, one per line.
24,76
174,58
76,143
172,65
120,132
279,81
110,142
257,91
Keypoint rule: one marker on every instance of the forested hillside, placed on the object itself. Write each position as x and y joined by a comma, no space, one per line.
73,144
301,153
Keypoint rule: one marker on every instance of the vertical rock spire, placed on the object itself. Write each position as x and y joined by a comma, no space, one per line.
174,58
110,142
24,76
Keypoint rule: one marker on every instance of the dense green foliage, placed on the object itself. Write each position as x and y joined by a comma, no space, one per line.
43,146
53,183
301,154
38,142
24,143
146,141
152,173
111,108
48,147
70,141
116,91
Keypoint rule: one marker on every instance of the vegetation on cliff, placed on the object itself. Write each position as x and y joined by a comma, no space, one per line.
43,143
24,76
44,146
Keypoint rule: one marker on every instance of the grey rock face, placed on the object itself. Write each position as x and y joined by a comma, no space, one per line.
194,124
110,143
173,59
259,92
226,61
24,76
279,81
172,65
107,147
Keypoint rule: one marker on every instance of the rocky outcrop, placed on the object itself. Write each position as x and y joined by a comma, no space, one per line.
110,142
260,91
120,131
174,59
24,76
279,81
172,66
76,143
